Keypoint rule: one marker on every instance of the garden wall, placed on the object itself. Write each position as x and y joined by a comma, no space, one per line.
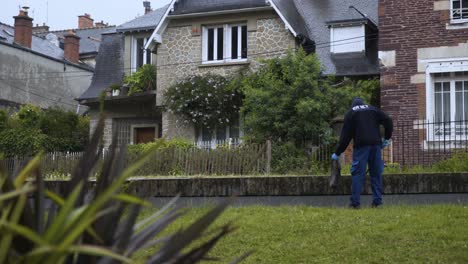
284,185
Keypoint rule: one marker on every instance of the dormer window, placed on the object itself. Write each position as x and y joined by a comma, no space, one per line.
459,10
224,43
347,38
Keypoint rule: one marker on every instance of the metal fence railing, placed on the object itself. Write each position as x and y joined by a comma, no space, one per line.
425,142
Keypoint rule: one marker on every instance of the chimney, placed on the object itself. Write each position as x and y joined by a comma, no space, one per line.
72,47
23,28
147,5
101,24
85,21
40,29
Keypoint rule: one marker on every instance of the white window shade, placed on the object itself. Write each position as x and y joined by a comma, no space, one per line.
347,39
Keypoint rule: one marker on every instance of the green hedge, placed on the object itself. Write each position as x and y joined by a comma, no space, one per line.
31,130
160,144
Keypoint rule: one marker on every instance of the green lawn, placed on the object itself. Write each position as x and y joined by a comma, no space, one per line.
403,234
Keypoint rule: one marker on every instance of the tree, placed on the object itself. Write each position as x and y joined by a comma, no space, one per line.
65,131
290,100
31,130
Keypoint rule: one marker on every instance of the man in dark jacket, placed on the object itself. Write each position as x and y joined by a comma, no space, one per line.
362,124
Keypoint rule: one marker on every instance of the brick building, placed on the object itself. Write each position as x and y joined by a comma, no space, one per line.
423,49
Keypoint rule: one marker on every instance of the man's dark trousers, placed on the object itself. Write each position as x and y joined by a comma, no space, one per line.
362,156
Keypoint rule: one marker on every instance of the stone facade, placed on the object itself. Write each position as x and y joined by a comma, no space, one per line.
121,117
180,55
412,33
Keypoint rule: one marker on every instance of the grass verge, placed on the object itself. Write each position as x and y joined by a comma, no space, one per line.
401,234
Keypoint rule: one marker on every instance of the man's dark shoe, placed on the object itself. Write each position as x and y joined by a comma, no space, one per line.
355,207
376,205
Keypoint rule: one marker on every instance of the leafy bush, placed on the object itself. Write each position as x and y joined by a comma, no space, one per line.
159,144
21,142
289,99
457,163
3,119
144,79
102,229
211,100
287,158
31,130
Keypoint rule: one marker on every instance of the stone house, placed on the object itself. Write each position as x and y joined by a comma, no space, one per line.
135,118
424,74
223,37
35,71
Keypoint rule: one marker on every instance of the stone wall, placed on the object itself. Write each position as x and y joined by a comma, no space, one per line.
284,186
121,116
180,55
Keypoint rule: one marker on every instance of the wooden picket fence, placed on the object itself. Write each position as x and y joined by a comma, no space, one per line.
242,160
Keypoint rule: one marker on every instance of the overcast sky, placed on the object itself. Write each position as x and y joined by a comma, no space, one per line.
63,14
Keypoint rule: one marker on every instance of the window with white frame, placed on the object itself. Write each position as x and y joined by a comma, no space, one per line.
345,39
210,138
459,10
140,56
450,107
224,43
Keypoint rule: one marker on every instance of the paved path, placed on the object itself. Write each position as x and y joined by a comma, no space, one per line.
321,201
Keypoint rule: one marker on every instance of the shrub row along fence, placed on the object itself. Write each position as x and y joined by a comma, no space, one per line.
241,160
421,143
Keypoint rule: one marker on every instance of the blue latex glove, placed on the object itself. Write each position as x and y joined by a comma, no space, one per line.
386,143
335,157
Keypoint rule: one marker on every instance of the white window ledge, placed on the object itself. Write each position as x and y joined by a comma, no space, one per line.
224,63
456,25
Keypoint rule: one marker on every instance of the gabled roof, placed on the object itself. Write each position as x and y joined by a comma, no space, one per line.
39,45
145,22
183,7
90,37
318,14
310,18
109,66
288,11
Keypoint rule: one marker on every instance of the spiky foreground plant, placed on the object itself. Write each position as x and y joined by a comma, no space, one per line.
101,229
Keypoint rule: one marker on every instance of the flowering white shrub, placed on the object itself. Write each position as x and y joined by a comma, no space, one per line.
210,100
